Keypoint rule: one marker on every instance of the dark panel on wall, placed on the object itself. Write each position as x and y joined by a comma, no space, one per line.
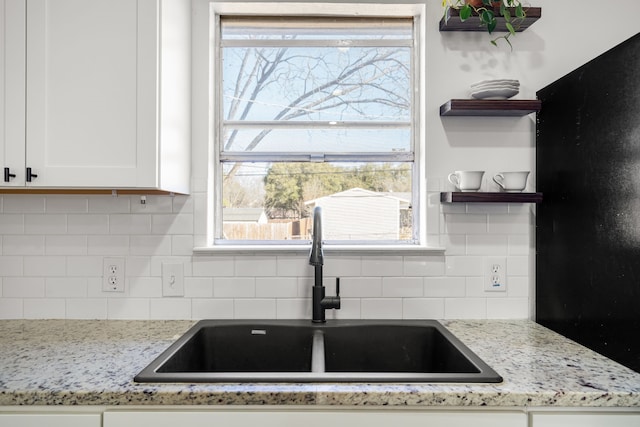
588,225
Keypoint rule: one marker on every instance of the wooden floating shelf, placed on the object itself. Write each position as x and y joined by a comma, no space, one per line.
490,107
473,23
480,197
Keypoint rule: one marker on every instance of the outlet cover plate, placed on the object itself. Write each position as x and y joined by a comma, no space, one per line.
495,279
113,274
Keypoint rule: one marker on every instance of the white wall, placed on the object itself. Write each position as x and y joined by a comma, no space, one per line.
52,247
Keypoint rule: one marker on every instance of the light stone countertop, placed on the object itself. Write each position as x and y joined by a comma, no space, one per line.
78,362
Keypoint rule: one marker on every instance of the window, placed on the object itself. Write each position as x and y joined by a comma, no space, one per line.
316,111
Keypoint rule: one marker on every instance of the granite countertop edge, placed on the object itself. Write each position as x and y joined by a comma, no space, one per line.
87,362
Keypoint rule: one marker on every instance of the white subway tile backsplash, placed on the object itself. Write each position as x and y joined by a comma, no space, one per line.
350,308
23,245
293,308
382,266
45,224
87,308
66,287
128,308
234,287
297,266
465,224
66,245
509,224
464,266
109,204
66,204
213,266
11,224
45,266
341,266
360,287
424,266
198,287
276,287
11,266
255,308
87,224
23,204
108,245
381,308
423,308
172,224
129,224
150,245
182,245
518,266
84,266
508,308
23,287
146,287
11,308
519,245
137,266
465,308
44,308
444,287
255,266
518,287
204,308
170,308
394,287
152,204
487,244
52,251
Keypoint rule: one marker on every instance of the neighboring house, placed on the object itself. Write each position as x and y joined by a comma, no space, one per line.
347,215
244,215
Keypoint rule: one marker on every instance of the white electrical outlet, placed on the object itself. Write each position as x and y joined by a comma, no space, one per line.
495,274
113,274
172,280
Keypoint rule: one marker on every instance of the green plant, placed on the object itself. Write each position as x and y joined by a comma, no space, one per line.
512,11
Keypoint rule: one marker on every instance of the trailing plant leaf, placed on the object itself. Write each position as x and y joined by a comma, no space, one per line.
510,28
465,12
520,11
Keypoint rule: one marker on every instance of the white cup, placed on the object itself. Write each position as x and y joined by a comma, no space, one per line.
511,181
467,180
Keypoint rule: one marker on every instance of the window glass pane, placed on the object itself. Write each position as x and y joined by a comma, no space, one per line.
317,83
313,28
341,140
360,202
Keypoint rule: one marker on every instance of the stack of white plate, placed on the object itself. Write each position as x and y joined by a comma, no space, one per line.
495,89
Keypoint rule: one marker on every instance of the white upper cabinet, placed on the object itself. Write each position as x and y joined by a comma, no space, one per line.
12,83
107,95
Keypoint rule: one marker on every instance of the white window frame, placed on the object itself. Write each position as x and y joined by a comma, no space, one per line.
417,11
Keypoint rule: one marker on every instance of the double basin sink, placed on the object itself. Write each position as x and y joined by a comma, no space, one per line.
301,351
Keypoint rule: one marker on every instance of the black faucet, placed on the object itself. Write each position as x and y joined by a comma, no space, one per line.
316,258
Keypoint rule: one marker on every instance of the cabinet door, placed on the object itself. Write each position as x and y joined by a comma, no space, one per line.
83,76
315,418
12,84
586,420
50,420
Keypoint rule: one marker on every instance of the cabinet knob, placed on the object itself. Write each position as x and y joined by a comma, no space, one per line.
8,175
30,175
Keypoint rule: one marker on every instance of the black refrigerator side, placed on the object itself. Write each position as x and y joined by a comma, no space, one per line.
588,226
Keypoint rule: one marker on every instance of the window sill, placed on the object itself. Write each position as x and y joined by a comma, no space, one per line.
385,250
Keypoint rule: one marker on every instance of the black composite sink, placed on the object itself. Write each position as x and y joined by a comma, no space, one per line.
301,351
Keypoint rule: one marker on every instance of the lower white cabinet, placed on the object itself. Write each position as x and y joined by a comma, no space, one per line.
314,418
585,419
49,420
